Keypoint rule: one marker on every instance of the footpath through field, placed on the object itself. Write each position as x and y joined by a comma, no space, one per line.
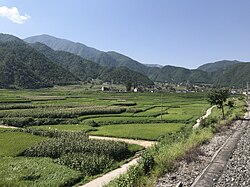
8,127
230,165
105,179
198,121
142,143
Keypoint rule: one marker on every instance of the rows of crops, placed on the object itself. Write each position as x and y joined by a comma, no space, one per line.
73,150
55,123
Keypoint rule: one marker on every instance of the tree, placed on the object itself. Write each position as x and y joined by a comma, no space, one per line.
218,97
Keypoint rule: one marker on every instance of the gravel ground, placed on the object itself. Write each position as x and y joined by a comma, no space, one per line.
188,169
237,171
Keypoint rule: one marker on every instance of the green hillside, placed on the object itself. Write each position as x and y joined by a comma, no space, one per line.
236,75
216,66
177,75
57,61
22,66
87,70
110,59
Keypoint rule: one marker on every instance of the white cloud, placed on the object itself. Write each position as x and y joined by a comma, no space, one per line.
13,14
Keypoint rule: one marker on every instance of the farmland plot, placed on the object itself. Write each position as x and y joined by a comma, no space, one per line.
55,121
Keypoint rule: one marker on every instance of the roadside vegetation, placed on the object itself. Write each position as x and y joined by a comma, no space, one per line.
174,146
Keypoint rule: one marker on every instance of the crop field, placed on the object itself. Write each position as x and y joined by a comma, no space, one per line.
53,147
13,143
138,131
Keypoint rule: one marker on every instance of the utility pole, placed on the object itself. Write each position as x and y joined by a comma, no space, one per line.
247,91
161,106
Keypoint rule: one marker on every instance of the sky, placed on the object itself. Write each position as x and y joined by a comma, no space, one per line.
185,33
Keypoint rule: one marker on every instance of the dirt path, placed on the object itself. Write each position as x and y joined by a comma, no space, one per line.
105,179
198,121
9,127
143,143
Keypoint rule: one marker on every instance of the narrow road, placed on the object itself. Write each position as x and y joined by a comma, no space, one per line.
143,143
7,127
105,179
198,121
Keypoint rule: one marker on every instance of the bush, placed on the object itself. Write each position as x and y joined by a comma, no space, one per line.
91,123
75,142
147,162
87,163
30,121
210,121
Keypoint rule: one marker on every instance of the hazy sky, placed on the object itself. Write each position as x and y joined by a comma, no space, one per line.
184,33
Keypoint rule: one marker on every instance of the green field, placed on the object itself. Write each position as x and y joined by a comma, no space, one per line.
13,143
65,127
138,131
57,114
23,171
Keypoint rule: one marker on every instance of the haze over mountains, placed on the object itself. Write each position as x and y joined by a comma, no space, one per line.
41,61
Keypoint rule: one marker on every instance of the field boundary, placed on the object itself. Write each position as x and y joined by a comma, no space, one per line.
143,143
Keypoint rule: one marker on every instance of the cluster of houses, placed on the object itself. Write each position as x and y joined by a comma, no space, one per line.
165,87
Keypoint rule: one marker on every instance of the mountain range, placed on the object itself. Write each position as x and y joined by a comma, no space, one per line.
41,61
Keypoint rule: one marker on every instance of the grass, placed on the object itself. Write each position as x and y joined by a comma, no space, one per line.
21,171
137,131
65,127
133,148
13,143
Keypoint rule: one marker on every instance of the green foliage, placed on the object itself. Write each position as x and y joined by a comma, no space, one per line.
72,142
174,74
51,115
89,164
21,171
91,123
29,121
230,104
61,112
215,120
147,162
86,70
161,158
21,66
67,127
218,97
126,76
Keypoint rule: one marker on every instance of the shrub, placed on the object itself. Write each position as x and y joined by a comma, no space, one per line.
147,162
87,163
75,142
91,123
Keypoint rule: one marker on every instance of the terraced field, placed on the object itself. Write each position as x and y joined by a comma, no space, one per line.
48,116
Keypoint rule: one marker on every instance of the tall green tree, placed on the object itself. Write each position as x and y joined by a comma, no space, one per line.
218,97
